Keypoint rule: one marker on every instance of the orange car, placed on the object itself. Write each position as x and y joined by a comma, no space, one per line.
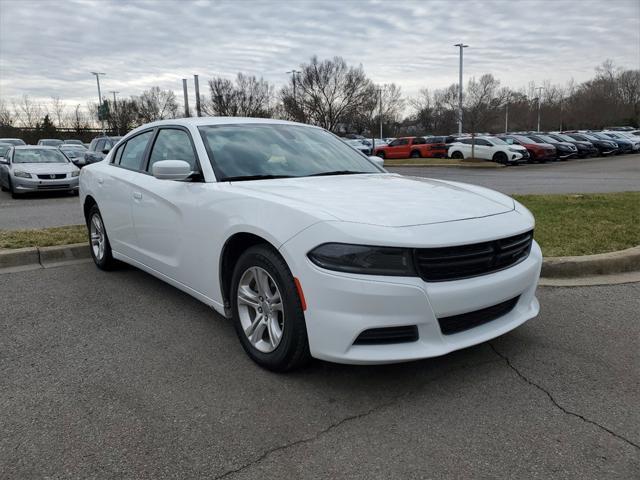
415,147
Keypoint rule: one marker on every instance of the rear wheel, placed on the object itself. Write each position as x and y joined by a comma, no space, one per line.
415,154
457,155
267,310
99,241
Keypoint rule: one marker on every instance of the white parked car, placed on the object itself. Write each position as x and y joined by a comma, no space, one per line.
359,145
312,249
488,148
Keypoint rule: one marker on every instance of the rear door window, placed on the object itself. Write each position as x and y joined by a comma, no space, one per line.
133,151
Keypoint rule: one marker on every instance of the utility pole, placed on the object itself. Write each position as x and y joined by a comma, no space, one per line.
293,81
380,96
115,111
186,98
506,118
197,86
461,46
97,74
561,99
539,89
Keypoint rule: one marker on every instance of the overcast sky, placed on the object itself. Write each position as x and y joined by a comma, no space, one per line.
48,48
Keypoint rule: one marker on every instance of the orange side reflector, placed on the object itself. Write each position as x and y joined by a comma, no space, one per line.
300,293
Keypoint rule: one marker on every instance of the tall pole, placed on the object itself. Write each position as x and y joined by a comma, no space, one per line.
97,74
380,96
506,118
539,89
186,98
461,46
294,73
197,86
115,111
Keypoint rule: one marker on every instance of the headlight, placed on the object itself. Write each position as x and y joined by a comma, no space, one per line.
515,150
75,173
21,174
364,259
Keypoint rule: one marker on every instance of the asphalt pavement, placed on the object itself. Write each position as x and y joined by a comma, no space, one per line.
119,375
592,175
615,174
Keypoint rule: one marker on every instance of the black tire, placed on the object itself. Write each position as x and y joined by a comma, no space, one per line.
106,262
500,157
457,155
293,350
380,153
532,157
415,154
13,193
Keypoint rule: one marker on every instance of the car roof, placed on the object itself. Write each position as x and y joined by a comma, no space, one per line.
35,147
206,121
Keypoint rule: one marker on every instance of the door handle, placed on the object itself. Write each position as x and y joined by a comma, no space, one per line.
101,181
137,195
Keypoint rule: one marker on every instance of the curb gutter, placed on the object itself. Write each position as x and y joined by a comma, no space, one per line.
612,263
42,257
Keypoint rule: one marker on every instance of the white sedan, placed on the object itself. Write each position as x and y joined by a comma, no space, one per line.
311,248
488,148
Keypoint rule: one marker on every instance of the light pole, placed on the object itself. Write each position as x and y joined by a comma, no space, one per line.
506,115
380,96
461,46
115,112
293,81
539,89
97,74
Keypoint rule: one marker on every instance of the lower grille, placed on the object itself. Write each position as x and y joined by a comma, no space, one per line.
388,335
53,187
52,176
465,321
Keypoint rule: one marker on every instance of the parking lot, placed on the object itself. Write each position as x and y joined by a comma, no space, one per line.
616,174
119,375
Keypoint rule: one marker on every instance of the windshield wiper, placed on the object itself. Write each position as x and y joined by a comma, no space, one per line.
336,172
253,177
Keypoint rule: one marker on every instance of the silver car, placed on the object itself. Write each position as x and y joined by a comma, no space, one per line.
36,169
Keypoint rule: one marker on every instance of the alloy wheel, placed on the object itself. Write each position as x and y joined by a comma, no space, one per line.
96,232
260,309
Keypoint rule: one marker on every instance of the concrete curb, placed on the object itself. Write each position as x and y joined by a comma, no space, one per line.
562,269
590,265
42,257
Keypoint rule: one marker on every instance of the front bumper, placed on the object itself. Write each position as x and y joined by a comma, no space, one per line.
567,155
24,185
341,306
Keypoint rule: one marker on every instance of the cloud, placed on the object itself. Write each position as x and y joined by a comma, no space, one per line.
48,48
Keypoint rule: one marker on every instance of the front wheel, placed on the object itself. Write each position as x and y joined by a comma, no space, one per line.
267,310
99,241
415,154
457,155
500,157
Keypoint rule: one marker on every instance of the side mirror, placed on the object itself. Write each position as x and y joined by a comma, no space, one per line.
106,151
4,161
377,161
171,170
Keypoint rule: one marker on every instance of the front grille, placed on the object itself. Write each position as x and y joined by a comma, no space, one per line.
53,187
465,321
388,335
52,176
465,261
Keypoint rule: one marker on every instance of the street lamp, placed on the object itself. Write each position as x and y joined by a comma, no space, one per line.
97,74
115,111
461,46
539,89
293,80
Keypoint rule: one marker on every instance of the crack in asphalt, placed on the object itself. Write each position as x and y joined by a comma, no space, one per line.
555,402
342,421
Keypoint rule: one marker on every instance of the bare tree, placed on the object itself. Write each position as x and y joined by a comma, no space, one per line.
327,93
482,102
7,118
156,104
27,112
248,96
58,110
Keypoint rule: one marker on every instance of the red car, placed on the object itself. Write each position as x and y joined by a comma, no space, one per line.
538,152
415,147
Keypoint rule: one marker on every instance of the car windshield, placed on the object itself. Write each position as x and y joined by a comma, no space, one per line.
497,141
523,139
50,143
564,138
547,139
256,151
34,155
13,141
4,149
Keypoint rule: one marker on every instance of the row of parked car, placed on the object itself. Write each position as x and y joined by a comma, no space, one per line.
506,148
51,165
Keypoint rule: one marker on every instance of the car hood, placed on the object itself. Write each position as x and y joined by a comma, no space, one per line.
384,199
45,167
